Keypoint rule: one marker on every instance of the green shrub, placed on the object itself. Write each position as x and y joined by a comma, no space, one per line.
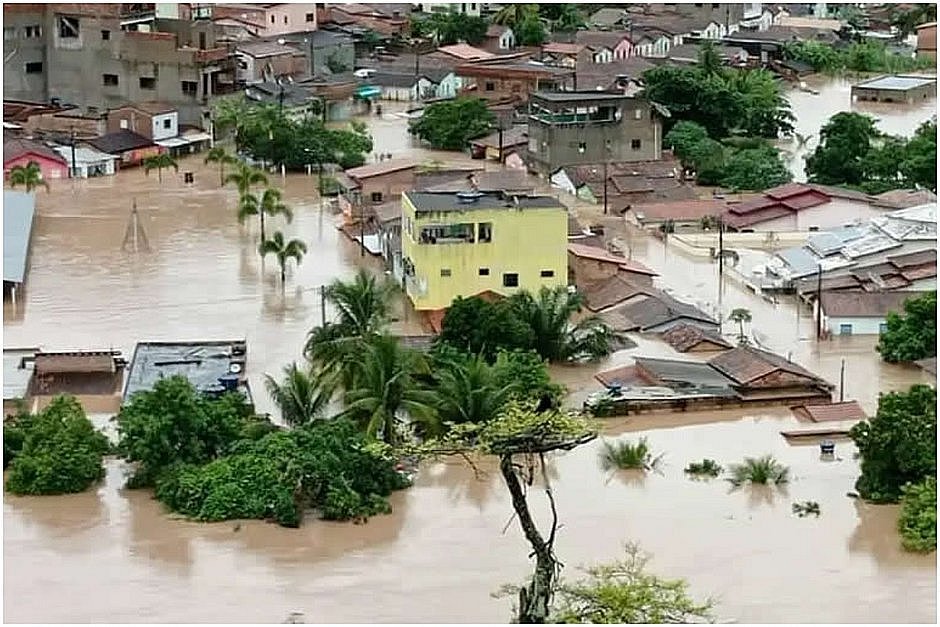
762,471
61,451
918,519
806,508
706,467
627,455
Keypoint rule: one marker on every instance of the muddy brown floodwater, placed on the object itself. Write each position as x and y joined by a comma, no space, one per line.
112,555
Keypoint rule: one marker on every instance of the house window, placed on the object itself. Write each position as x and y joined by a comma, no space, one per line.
68,27
148,83
9,33
510,279
166,123
272,19
109,79
34,68
285,19
489,86
813,228
582,146
189,88
376,196
33,32
547,274
445,272
123,124
638,114
308,17
845,329
636,144
883,327
484,272
485,232
105,35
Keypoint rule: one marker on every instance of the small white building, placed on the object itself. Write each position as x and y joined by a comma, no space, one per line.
861,313
88,162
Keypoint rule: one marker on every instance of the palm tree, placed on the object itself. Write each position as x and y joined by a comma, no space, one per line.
513,14
385,393
159,162
283,251
244,177
627,455
303,395
740,315
555,337
469,392
269,204
29,175
762,471
220,155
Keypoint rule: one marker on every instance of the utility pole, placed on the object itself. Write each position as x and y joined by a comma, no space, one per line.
362,228
322,305
819,302
72,142
501,160
721,267
605,186
842,381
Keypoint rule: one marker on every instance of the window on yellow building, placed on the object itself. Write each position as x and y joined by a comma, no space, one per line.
510,279
484,272
485,232
445,272
547,274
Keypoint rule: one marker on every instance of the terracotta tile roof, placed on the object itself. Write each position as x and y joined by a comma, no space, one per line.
832,412
684,337
120,141
603,294
925,271
864,304
774,203
744,364
599,254
913,259
16,148
562,48
386,167
625,376
680,210
904,198
466,52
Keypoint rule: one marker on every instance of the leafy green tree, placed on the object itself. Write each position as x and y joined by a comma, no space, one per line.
61,451
906,18
529,372
269,204
823,57
221,156
918,519
479,327
284,251
451,27
918,164
385,395
882,165
513,14
530,32
325,465
624,593
912,335
709,60
563,17
15,428
302,396
469,390
29,176
452,124
899,445
844,142
244,177
683,138
755,169
708,158
764,107
172,424
159,163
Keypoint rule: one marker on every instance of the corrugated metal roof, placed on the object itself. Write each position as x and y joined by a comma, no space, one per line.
833,412
18,211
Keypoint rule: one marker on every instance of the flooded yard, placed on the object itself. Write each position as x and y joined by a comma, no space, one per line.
112,555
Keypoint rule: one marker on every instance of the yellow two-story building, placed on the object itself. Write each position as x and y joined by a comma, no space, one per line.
469,243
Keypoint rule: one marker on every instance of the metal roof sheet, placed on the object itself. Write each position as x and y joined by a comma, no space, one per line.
897,83
18,211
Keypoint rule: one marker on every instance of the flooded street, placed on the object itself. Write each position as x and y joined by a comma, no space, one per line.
112,555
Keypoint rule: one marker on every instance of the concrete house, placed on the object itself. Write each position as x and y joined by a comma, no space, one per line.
153,120
861,313
927,40
264,60
906,89
499,37
88,162
511,78
470,243
583,127
589,264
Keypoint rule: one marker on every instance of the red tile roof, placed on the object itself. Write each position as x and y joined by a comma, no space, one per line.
833,412
680,210
864,304
16,148
599,254
562,48
774,203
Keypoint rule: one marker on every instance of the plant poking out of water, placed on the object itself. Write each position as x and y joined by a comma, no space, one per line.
704,468
284,251
29,176
159,163
762,471
223,158
807,508
627,455
269,203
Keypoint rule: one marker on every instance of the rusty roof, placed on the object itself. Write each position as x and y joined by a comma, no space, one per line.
555,47
680,210
16,148
603,294
599,254
864,304
831,412
80,362
684,337
385,167
466,52
747,363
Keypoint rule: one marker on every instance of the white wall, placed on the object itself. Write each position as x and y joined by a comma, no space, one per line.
834,214
860,326
165,125
560,180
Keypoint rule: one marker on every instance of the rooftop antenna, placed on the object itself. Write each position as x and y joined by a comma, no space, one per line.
134,234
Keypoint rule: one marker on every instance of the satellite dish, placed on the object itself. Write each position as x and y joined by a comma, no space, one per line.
234,368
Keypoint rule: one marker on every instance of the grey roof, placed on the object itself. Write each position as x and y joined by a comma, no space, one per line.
392,79
18,211
446,201
120,141
800,260
202,363
897,83
685,373
18,368
607,17
578,96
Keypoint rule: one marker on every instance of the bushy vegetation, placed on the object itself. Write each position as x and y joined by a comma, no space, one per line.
450,27
57,451
853,152
704,468
899,445
327,465
629,455
806,508
912,335
452,124
759,471
918,520
868,56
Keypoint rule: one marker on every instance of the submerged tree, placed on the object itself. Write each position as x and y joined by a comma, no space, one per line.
268,204
302,396
223,158
244,177
521,438
159,163
284,251
912,335
29,176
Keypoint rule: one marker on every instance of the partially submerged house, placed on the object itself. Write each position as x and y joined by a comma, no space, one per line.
859,312
212,367
22,152
688,338
904,89
677,216
131,147
589,264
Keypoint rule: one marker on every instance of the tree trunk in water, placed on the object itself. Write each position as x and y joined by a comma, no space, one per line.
261,215
160,175
282,275
221,175
535,598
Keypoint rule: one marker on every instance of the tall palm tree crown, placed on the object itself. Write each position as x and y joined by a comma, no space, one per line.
302,396
268,204
283,250
222,157
244,177
159,163
29,176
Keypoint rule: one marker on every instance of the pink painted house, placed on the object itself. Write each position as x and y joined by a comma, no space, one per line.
19,152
